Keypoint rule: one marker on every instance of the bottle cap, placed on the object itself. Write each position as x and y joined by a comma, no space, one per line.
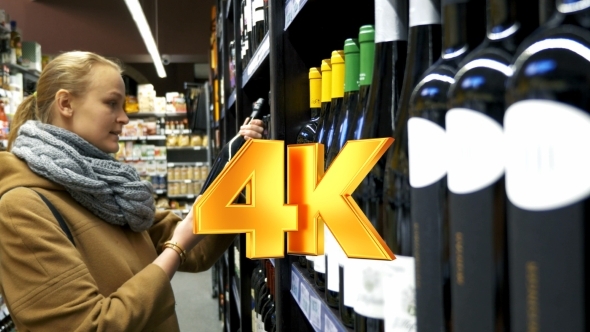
352,65
337,74
326,81
367,54
367,34
315,88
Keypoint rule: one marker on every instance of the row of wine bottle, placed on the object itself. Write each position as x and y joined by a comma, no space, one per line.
254,25
262,293
484,194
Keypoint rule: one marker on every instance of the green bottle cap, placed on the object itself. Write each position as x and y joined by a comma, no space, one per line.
351,65
367,41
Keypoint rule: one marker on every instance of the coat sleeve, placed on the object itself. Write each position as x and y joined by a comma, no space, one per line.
203,255
48,287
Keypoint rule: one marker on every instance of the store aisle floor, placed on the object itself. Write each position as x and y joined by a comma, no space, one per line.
196,310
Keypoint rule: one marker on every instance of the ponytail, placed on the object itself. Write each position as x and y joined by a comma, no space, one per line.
26,111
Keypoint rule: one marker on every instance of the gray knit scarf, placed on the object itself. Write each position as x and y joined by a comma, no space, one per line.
110,189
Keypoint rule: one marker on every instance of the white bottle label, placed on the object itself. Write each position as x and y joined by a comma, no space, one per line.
400,302
390,21
475,150
423,12
351,281
547,166
370,298
427,152
258,15
330,248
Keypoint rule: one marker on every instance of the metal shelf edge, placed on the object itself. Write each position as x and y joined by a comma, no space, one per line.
292,9
312,304
258,58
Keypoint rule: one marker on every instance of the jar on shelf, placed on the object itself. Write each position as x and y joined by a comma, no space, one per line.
197,173
204,172
183,173
197,187
171,174
177,174
190,173
183,188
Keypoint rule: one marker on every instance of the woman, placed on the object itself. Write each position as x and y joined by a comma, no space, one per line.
114,275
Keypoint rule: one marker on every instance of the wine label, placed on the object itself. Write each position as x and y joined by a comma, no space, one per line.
370,298
424,12
351,281
427,152
248,10
390,20
546,167
258,13
475,150
331,250
400,287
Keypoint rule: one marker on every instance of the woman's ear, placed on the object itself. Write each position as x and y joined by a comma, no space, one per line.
63,101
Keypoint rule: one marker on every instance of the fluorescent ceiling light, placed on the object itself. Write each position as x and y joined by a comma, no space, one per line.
146,34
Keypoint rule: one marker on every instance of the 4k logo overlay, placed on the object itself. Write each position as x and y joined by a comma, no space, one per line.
313,198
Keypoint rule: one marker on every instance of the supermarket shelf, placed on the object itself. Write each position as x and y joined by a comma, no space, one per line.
183,196
142,138
20,69
142,158
185,181
186,147
313,305
199,163
232,100
176,132
258,58
292,9
157,115
234,288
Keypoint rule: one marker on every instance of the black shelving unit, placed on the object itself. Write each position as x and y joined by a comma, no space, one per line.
301,34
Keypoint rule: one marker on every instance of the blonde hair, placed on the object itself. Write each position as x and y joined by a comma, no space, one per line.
69,71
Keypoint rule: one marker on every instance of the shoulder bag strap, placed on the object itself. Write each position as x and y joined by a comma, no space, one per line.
58,216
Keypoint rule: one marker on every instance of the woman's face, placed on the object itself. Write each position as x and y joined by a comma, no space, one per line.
99,115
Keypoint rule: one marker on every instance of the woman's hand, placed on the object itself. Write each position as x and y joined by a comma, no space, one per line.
169,260
252,129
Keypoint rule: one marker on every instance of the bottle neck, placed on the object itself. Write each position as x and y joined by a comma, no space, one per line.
454,41
502,20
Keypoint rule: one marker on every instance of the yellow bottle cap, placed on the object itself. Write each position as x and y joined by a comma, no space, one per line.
315,88
337,74
326,81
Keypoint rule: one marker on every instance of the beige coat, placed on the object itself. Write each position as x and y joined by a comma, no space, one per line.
105,283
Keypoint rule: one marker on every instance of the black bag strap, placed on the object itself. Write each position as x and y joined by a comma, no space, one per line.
57,216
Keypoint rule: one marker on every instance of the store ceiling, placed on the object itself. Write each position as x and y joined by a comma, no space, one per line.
181,27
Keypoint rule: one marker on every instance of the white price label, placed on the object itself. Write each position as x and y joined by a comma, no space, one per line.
315,312
304,300
329,325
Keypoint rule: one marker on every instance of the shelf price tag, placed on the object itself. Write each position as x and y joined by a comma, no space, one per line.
329,325
304,301
315,310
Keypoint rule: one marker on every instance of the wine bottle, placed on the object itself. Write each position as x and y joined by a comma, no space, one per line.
257,274
475,174
309,132
390,38
266,17
337,92
259,110
546,128
424,45
341,128
463,29
350,101
258,25
326,98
